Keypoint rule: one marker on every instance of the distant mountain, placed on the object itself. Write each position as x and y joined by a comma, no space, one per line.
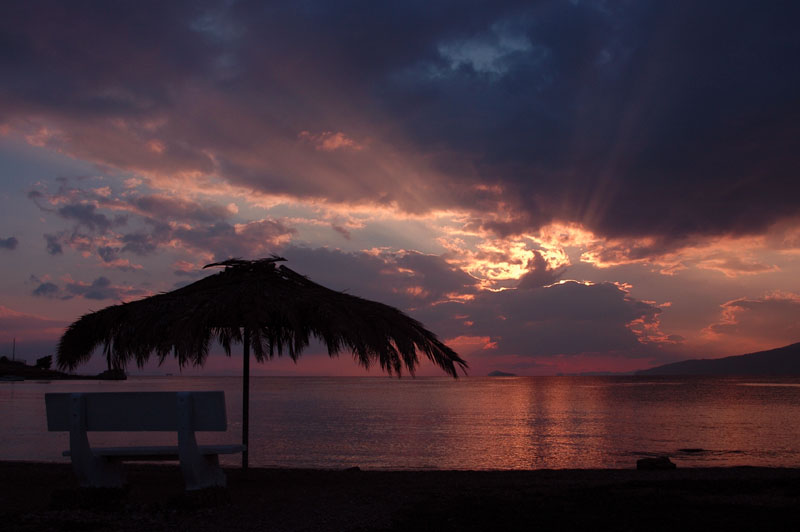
501,374
18,368
780,361
598,374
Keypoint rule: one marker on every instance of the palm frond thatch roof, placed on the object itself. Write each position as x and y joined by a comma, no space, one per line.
282,310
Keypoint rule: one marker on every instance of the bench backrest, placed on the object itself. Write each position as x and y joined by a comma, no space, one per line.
137,411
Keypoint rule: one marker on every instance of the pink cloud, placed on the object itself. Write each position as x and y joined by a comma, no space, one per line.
749,324
152,223
27,327
330,141
99,289
226,99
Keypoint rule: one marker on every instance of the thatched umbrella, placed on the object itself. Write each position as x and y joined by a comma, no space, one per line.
269,309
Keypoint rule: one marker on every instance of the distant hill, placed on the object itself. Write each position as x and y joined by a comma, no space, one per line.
11,368
597,374
497,373
780,361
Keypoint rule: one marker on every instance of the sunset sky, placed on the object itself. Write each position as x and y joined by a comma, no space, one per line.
552,186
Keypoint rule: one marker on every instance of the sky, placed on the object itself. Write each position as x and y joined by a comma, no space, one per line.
550,187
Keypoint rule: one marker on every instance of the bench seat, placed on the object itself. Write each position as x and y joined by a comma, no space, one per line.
157,452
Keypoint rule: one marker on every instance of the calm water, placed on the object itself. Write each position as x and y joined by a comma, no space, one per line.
471,423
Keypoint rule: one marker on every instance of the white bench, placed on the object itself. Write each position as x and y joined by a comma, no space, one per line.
184,412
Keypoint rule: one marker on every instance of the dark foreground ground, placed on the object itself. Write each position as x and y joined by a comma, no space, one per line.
36,496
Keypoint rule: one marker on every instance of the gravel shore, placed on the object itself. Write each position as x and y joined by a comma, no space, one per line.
39,496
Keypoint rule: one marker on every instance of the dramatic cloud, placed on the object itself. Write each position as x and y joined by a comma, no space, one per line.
329,141
562,319
100,289
86,215
772,321
47,289
166,208
407,279
579,112
9,243
730,256
539,273
222,240
736,266
459,161
567,318
152,222
53,245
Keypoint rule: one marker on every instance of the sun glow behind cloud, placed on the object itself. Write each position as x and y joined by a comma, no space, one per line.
495,263
504,158
491,262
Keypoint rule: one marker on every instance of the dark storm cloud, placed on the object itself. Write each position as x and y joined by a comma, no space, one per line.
82,205
99,289
403,279
161,220
774,319
9,243
670,119
47,289
53,244
661,119
538,273
434,275
86,215
166,208
221,239
566,318
145,243
225,240
342,231
108,253
79,241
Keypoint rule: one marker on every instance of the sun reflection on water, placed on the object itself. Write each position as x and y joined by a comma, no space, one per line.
471,423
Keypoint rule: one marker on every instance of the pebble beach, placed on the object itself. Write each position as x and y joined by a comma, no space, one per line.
45,496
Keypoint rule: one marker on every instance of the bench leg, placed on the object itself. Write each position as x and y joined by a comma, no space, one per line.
98,472
203,472
199,470
92,471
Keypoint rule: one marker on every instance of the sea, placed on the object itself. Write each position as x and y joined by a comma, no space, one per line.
471,423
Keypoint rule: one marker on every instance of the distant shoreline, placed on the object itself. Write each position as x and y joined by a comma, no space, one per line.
11,368
780,362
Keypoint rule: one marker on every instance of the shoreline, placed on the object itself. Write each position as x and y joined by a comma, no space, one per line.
38,495
20,371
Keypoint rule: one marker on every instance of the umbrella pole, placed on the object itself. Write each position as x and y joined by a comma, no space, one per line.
246,398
